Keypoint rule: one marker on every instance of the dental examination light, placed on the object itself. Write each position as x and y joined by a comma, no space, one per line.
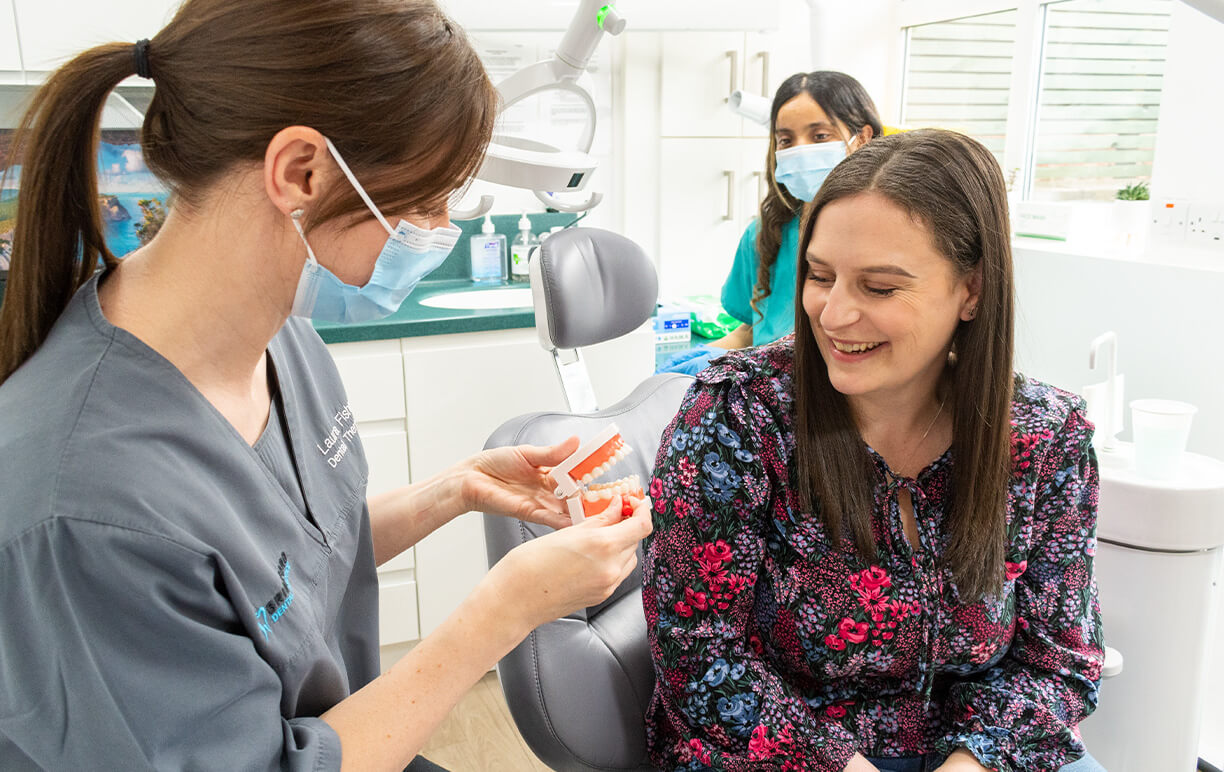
751,106
538,166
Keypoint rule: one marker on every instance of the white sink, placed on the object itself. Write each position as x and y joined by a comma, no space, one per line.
500,297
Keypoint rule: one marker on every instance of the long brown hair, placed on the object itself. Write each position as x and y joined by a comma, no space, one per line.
394,84
953,185
844,100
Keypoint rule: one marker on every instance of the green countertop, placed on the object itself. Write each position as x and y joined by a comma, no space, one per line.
415,320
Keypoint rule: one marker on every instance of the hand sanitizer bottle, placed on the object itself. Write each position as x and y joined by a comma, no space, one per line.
488,254
520,250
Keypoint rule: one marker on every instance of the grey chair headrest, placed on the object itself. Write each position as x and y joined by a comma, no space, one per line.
589,286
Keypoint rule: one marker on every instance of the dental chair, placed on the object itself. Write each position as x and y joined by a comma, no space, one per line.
578,687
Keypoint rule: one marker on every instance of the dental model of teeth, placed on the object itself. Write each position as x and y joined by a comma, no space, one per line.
593,458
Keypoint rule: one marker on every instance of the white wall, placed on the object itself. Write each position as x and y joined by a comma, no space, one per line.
1189,162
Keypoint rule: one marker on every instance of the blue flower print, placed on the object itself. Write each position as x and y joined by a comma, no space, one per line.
726,436
744,457
737,671
739,712
714,468
717,672
679,441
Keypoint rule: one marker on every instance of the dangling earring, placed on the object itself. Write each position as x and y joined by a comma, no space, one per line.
952,356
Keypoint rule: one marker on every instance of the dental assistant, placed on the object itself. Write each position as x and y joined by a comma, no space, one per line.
187,552
817,119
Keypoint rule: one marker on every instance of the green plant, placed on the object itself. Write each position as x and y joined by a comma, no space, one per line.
1137,192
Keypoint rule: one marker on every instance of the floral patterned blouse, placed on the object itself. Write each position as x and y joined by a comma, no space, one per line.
775,648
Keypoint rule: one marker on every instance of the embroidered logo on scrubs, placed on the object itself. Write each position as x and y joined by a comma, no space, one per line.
271,612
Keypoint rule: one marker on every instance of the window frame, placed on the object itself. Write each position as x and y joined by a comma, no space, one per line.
1023,98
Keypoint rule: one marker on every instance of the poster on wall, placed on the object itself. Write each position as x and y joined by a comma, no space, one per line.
130,199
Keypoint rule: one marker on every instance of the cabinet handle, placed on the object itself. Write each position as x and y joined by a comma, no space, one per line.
729,214
759,177
733,56
764,57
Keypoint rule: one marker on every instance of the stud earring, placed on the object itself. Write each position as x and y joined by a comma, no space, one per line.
971,315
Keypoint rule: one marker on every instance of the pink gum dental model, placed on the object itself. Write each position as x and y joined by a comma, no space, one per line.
593,458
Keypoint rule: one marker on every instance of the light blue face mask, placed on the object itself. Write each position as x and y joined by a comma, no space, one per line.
803,168
409,255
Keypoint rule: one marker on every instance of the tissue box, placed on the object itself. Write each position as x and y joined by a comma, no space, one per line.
673,332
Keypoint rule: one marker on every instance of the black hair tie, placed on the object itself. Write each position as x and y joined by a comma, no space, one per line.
140,58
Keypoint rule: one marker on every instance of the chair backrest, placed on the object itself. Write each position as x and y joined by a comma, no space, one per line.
578,687
588,286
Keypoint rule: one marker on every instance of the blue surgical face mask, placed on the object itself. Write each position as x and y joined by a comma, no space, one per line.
803,168
409,255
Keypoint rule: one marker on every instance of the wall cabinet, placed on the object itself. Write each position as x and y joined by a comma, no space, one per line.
712,161
423,404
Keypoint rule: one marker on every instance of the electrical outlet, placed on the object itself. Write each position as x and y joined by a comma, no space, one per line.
1169,220
1204,220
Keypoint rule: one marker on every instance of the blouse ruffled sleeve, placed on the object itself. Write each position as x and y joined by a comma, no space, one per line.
718,703
1022,713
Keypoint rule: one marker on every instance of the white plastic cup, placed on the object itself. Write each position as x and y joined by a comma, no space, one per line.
1161,430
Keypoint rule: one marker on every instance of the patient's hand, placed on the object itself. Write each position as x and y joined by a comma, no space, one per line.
858,763
961,760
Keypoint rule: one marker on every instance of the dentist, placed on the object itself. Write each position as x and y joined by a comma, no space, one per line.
187,552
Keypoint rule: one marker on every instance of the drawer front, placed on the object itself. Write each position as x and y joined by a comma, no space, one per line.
373,376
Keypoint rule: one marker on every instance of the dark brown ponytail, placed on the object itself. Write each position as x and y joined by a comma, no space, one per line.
394,84
58,241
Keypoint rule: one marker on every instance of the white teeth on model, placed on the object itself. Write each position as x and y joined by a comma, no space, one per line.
854,348
586,478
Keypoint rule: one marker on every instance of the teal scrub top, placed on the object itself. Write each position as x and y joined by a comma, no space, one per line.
776,317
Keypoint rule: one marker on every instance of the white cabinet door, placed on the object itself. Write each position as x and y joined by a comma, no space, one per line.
373,378
771,58
10,56
459,389
701,213
53,31
699,72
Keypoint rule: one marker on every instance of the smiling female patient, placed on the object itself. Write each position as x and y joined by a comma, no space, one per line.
874,542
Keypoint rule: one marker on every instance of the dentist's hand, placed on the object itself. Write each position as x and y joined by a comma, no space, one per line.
514,482
570,569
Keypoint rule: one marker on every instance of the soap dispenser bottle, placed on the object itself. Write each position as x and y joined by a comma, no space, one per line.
1105,405
488,254
520,250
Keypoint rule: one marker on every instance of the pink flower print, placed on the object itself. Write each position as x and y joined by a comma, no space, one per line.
854,632
683,609
686,472
755,642
761,748
874,603
835,711
699,751
697,600
681,507
874,578
1015,569
712,555
656,488
835,643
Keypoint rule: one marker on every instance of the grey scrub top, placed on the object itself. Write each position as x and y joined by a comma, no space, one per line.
164,603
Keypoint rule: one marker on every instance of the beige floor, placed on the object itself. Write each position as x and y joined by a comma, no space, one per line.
480,736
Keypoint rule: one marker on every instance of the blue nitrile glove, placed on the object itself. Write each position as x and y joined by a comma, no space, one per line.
690,361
